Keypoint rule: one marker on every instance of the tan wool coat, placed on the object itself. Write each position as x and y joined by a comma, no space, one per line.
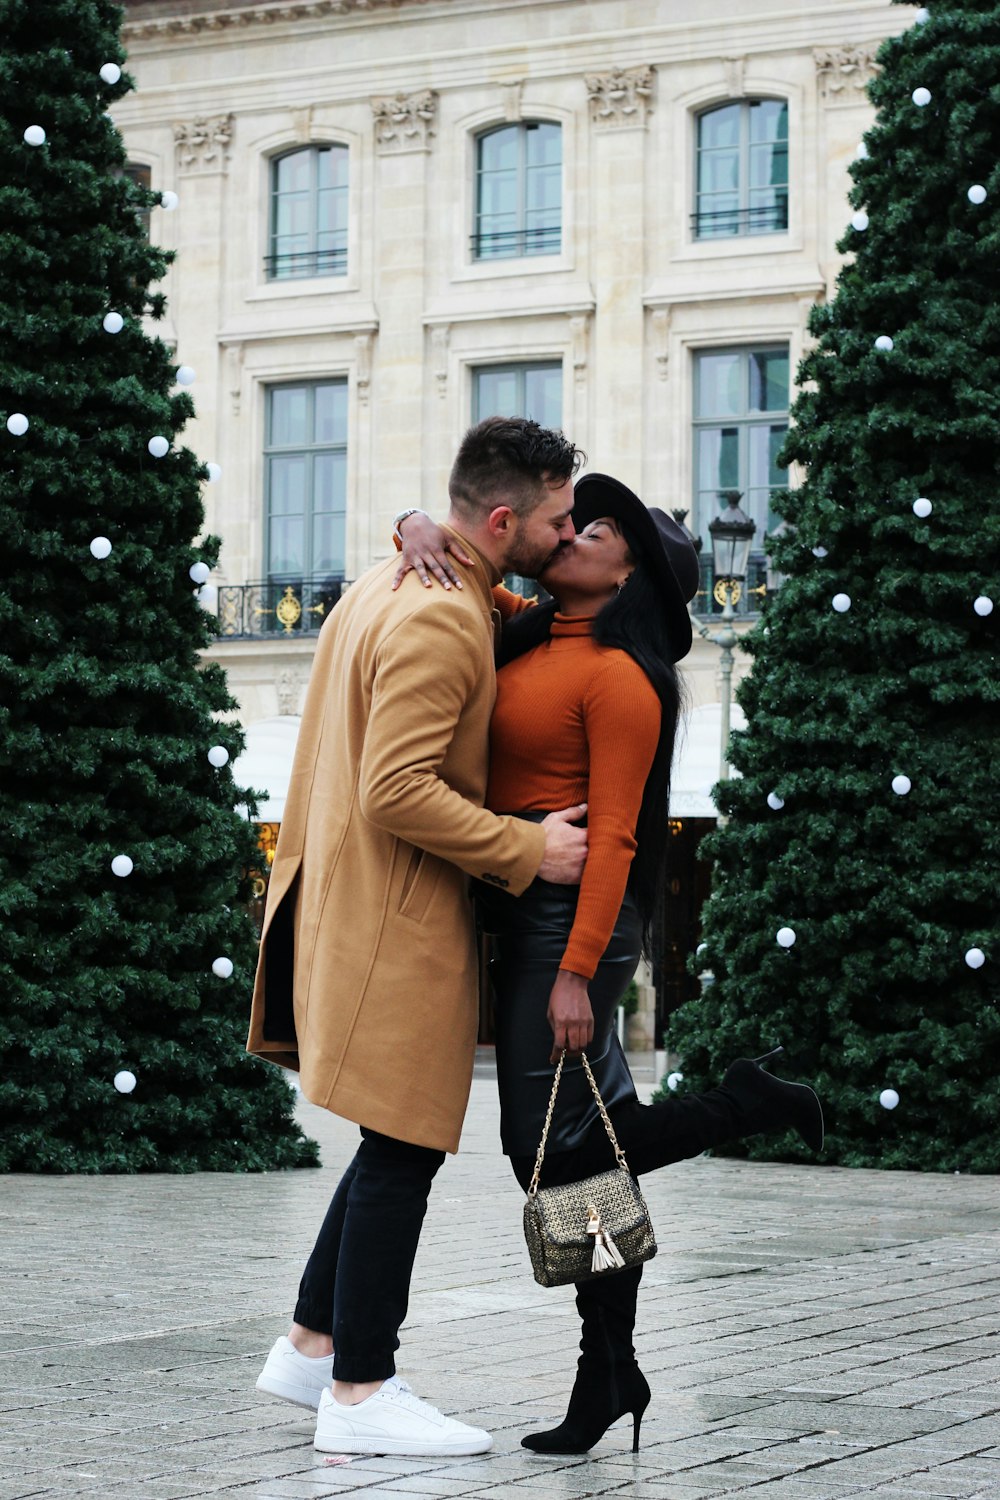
367,977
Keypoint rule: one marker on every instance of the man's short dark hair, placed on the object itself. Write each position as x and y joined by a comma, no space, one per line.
509,461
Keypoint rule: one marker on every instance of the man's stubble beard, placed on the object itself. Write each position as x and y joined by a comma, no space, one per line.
528,558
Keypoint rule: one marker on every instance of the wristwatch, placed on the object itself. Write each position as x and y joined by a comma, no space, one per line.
397,521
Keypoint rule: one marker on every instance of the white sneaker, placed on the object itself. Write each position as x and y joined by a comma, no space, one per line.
394,1420
294,1376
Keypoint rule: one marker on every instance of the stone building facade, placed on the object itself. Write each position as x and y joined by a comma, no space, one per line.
395,216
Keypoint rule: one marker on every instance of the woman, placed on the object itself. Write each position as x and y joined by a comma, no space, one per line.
587,706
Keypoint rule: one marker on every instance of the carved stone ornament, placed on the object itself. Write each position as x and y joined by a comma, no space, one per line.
661,341
213,17
289,682
405,122
363,365
440,336
579,327
203,145
845,72
622,97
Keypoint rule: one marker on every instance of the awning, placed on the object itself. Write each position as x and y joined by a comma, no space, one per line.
266,763
696,760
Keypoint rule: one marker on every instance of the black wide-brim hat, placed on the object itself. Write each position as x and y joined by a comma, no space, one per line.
666,548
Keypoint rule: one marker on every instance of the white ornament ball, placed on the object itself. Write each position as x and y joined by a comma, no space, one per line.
218,756
841,603
208,598
101,548
922,16
673,1079
884,342
901,785
888,1098
977,193
860,221
785,936
774,802
975,958
199,573
921,97
113,322
222,968
111,72
922,508
158,446
121,865
125,1081
169,201
185,375
819,552
983,606
861,154
214,473
34,136
17,424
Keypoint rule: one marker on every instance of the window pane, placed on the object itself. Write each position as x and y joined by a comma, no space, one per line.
329,481
331,413
287,485
543,395
544,144
285,539
769,381
498,151
332,167
496,394
718,460
718,385
328,543
769,120
720,127
289,415
718,172
294,173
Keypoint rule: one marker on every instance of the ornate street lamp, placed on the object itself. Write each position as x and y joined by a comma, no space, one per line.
731,534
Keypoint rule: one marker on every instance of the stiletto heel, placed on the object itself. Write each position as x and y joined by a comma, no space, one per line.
768,1055
636,1424
595,1403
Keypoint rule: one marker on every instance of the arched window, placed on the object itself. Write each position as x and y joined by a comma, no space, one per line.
308,214
518,191
742,169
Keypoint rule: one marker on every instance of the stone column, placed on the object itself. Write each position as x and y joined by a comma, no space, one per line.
404,131
620,103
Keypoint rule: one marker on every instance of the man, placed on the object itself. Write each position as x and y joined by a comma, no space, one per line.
367,979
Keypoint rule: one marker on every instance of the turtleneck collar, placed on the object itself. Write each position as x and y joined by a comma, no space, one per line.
570,625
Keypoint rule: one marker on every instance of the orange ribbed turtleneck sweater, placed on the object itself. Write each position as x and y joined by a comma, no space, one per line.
577,722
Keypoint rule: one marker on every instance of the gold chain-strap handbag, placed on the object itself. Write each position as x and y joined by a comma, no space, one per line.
589,1228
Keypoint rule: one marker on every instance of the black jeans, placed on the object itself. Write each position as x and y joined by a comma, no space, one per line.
356,1284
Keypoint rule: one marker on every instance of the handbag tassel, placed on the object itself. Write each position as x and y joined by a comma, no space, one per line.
606,1256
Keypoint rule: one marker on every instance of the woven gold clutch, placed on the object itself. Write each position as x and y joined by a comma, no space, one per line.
589,1228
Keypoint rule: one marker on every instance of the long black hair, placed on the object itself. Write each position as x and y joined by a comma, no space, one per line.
634,622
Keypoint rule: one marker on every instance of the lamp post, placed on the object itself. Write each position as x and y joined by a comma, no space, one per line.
731,534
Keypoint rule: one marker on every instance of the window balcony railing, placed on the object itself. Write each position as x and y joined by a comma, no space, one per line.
769,218
753,589
303,263
508,244
277,609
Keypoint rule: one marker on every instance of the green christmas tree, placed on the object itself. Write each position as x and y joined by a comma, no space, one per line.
872,699
106,717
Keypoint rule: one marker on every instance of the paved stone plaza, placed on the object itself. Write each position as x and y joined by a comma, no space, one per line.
808,1334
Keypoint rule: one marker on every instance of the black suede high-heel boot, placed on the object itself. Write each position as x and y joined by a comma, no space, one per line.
768,1103
599,1397
608,1383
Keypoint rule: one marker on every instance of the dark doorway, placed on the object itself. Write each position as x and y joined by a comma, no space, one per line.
678,929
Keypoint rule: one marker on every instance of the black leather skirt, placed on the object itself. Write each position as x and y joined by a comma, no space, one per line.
529,934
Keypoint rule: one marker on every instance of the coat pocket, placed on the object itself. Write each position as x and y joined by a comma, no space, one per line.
420,876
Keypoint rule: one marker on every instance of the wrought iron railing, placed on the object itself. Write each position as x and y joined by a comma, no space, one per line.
497,244
767,219
305,263
752,590
277,609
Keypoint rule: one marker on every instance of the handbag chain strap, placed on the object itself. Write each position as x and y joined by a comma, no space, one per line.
619,1153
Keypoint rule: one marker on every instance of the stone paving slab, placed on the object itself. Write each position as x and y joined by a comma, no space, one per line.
809,1333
